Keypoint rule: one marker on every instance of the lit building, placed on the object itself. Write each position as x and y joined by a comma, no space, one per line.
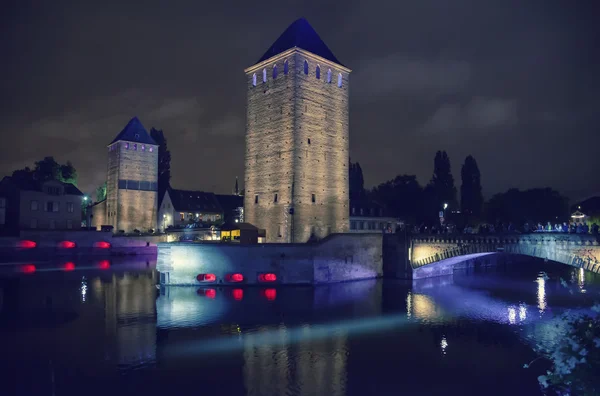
182,207
132,182
31,204
369,217
296,182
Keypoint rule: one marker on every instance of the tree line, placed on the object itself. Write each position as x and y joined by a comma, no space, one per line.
404,198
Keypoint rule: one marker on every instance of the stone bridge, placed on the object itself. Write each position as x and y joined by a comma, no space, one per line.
435,255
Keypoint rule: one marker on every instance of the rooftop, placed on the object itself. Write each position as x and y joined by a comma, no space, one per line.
134,131
30,184
302,35
194,201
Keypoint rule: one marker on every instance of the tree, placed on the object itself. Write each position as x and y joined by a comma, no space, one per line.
536,205
471,197
402,197
164,163
356,183
101,192
442,182
48,169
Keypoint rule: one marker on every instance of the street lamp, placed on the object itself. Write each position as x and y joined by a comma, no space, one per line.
164,222
445,206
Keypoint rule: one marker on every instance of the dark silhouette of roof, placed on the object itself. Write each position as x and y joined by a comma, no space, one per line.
230,202
30,184
194,201
300,34
134,131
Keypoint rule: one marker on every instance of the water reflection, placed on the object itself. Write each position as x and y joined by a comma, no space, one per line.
541,293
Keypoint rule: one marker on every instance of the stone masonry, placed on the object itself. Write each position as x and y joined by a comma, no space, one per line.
296,161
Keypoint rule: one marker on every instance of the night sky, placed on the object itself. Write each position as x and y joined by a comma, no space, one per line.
514,83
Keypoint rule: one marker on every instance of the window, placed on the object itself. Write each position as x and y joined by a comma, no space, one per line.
274,72
279,231
2,202
340,80
308,140
70,207
33,223
306,67
181,216
143,147
69,224
52,224
318,72
329,76
353,211
361,211
275,199
254,80
313,198
285,67
256,199
53,191
353,225
126,146
264,75
151,149
34,206
135,146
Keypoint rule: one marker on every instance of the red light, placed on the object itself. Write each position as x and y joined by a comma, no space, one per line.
69,266
237,294
104,264
234,277
26,244
267,277
206,277
102,245
270,294
28,269
210,293
67,244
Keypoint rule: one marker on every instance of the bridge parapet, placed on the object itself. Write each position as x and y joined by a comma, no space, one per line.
573,249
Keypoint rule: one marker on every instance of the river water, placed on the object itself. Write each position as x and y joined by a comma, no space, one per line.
87,328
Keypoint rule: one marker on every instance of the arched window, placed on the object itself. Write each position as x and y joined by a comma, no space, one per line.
274,72
329,76
254,79
318,72
340,80
306,67
264,75
285,67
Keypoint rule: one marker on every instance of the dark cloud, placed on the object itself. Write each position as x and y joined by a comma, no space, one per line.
513,83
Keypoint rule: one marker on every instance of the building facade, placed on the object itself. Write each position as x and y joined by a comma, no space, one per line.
29,204
296,160
131,182
180,208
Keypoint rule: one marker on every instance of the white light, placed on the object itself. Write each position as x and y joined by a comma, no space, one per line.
522,312
512,315
541,294
85,198
409,305
444,344
237,221
445,206
164,216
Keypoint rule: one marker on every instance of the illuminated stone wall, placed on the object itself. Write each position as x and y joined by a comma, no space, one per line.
99,215
131,209
297,146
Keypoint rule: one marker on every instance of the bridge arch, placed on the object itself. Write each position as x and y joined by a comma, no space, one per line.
435,255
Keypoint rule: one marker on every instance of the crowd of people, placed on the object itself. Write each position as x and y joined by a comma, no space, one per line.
571,228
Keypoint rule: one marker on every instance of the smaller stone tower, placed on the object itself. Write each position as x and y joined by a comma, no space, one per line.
132,179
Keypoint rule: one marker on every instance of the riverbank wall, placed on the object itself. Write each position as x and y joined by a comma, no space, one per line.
337,258
32,245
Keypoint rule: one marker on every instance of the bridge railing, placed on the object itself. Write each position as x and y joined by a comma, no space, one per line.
456,252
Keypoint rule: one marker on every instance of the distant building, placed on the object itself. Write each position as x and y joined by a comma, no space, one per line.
296,182
182,207
370,217
31,204
132,182
233,207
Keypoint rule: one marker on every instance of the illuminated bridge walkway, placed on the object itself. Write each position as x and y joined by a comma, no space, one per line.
435,255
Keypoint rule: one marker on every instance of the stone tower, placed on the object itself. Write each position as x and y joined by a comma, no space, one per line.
296,182
132,179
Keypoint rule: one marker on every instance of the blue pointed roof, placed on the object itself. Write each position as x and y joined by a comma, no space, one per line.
300,34
134,131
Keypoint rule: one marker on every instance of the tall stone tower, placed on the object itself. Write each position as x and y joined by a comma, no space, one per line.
132,179
296,182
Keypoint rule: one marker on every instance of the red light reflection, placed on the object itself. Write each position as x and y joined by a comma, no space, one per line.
69,266
67,244
26,244
102,245
270,294
237,294
210,293
28,269
104,264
